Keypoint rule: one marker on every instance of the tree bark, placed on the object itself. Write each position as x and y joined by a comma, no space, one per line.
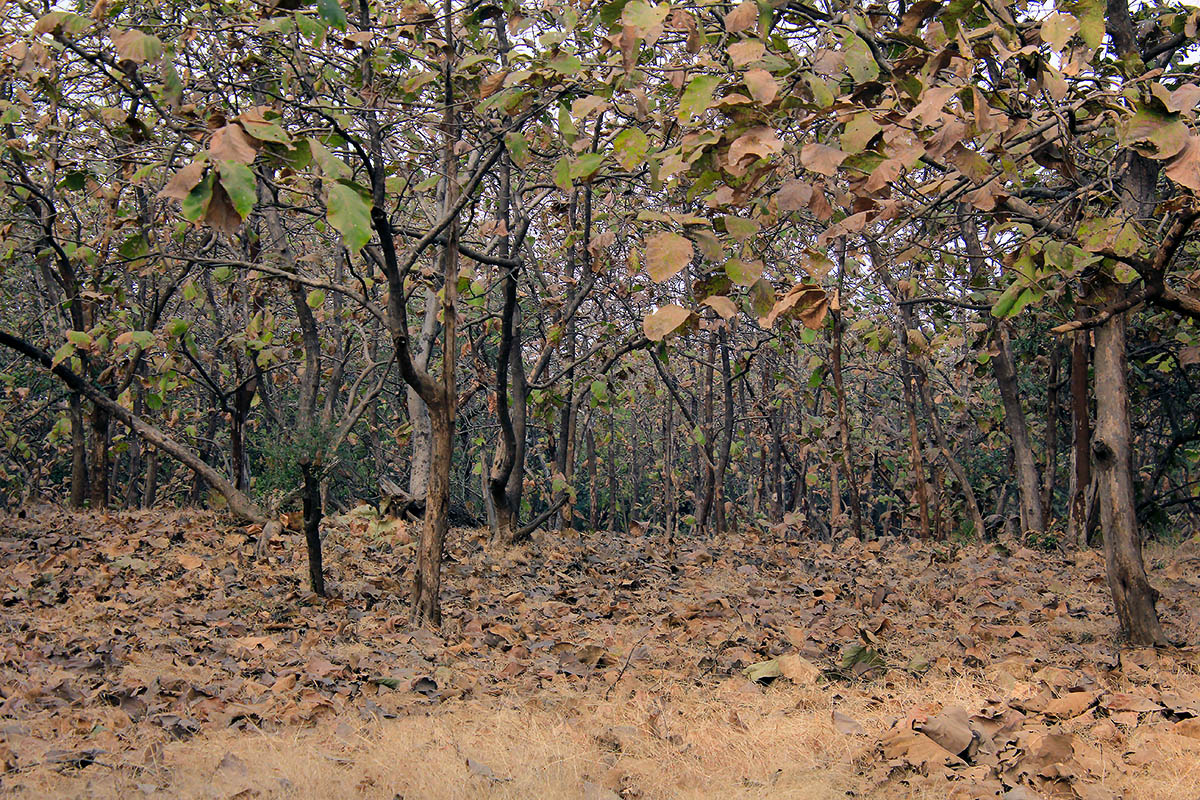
1029,486
312,528
1133,596
79,480
1081,446
99,462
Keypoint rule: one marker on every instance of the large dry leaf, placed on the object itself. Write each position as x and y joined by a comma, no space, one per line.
230,143
742,17
667,254
665,320
821,158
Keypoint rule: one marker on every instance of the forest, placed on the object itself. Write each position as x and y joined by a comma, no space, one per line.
365,364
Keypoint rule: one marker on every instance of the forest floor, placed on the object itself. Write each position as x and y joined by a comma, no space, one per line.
147,655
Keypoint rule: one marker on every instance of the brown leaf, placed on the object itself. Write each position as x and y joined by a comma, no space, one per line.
762,86
793,195
665,320
1071,704
230,143
1122,701
822,159
847,725
742,17
183,181
949,729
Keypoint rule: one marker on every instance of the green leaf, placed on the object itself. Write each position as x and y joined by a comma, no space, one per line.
350,215
763,671
630,148
330,164
240,184
518,148
222,274
196,203
643,16
697,97
567,64
584,167
860,61
332,13
1090,14
62,354
316,298
79,339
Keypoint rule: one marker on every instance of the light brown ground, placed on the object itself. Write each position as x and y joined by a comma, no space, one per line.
572,668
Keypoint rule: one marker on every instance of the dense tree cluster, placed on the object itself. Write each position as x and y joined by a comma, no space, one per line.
916,269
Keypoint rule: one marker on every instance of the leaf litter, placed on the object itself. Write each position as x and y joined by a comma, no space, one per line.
127,634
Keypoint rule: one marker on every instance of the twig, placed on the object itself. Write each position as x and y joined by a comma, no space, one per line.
628,659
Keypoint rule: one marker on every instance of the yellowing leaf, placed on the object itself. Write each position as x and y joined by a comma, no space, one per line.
697,97
740,228
743,273
667,254
664,321
859,132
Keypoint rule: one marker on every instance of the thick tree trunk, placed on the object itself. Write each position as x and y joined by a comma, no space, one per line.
1133,596
420,443
1029,485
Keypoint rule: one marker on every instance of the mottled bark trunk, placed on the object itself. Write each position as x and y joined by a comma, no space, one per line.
1029,485
1133,596
427,581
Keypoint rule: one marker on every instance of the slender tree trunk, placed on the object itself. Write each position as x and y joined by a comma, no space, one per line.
1133,595
1029,485
100,466
920,484
1050,471
427,581
593,507
150,487
312,528
1081,446
79,477
612,470
843,415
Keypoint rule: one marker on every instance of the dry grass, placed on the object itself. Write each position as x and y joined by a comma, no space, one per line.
679,722
731,740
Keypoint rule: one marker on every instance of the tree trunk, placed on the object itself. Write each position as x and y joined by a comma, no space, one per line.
593,506
150,487
421,445
1081,452
1133,596
79,477
100,467
843,416
920,484
612,470
1029,485
1050,470
312,528
427,581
